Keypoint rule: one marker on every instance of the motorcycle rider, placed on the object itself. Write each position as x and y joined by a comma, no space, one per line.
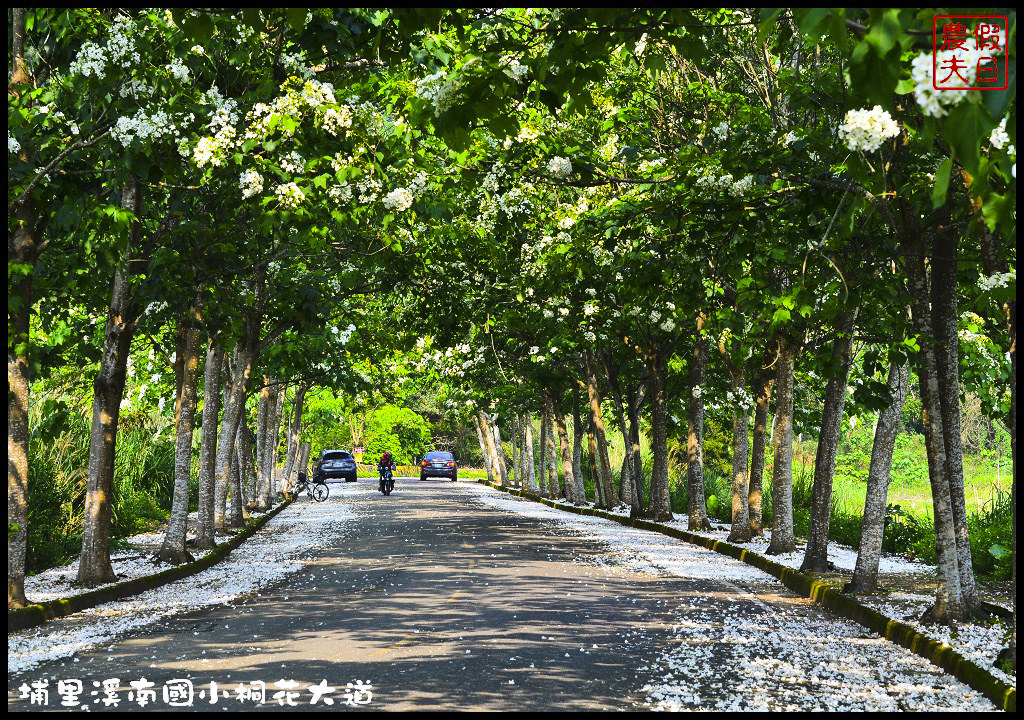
385,462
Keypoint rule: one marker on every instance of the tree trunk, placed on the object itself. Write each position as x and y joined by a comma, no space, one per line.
554,490
604,465
499,451
294,435
542,476
173,549
579,490
594,476
266,469
208,444
697,517
492,450
816,552
262,409
782,467
270,450
289,445
565,456
516,476
108,390
740,531
23,248
948,602
660,507
945,319
633,401
280,429
521,467
865,574
766,379
238,502
246,464
627,476
531,470
234,408
304,452
484,452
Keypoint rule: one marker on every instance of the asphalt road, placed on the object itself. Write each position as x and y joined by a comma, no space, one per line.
437,601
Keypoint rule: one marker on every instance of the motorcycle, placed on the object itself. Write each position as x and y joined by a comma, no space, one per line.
387,481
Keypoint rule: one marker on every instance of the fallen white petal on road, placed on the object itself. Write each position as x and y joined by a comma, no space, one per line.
266,557
782,658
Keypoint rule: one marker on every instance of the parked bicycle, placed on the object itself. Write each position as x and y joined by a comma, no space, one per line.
315,489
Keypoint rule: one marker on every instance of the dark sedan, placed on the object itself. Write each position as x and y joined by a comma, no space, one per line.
439,464
335,464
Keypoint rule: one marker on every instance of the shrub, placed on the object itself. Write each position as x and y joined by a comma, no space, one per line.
717,495
990,533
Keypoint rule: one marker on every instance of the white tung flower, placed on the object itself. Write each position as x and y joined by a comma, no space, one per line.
560,167
337,121
514,69
439,89
205,152
251,183
740,187
178,70
866,130
293,163
948,69
289,195
399,200
999,136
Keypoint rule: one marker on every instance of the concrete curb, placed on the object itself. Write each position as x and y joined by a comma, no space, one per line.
37,614
940,654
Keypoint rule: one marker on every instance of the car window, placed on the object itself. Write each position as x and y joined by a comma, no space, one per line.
336,456
439,456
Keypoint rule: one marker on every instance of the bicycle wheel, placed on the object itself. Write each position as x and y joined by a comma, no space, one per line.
320,492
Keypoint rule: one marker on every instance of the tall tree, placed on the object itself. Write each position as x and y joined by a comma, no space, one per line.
173,548
865,573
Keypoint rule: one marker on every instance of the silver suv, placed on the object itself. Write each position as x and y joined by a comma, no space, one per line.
335,464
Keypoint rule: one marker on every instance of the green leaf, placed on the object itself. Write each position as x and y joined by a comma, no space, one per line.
297,18
996,101
200,28
941,183
964,128
998,552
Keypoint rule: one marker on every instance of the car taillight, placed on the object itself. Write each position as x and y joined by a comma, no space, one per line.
450,464
424,463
